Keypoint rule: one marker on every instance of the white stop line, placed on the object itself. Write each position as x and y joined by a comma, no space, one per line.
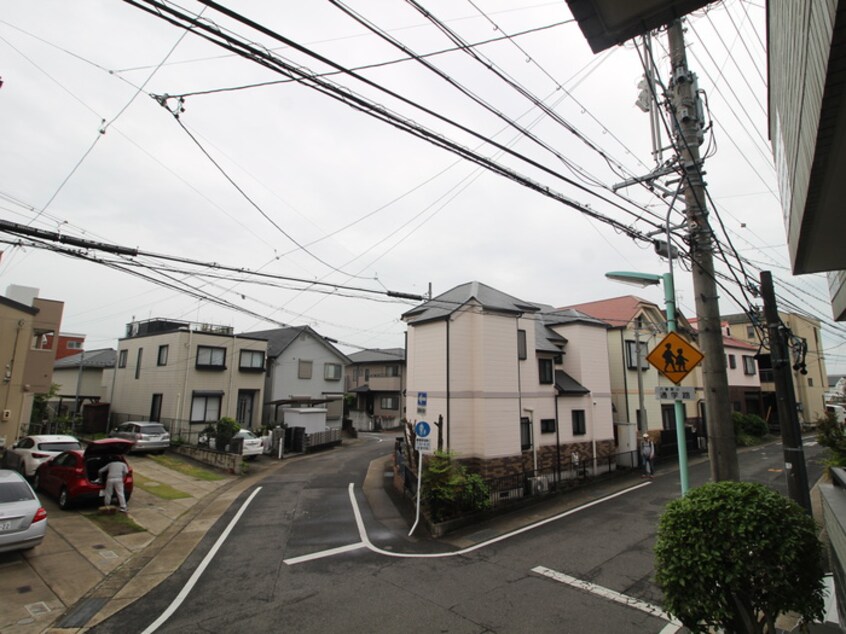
612,595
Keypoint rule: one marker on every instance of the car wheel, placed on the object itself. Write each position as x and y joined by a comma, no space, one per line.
64,499
36,482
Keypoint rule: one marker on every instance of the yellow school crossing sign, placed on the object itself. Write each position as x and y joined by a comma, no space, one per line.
674,357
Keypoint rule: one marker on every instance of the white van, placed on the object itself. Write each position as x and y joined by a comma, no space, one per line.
839,413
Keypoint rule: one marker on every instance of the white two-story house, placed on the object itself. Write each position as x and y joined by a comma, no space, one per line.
518,387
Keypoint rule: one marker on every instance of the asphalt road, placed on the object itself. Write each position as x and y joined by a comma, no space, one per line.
519,584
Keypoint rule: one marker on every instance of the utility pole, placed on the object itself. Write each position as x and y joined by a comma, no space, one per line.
791,436
687,120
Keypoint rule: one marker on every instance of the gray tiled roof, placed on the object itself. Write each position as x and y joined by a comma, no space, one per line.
377,355
102,358
278,339
447,303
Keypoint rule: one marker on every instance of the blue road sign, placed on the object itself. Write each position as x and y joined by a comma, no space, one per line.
421,399
422,429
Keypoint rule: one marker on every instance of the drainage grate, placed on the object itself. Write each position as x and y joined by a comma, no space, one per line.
36,609
82,613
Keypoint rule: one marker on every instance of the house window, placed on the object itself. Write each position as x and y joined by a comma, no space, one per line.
251,360
332,371
205,408
631,355
122,358
392,370
545,371
810,382
366,374
210,358
668,416
750,332
138,363
74,345
748,365
389,402
578,417
732,362
521,345
547,425
525,433
304,369
162,358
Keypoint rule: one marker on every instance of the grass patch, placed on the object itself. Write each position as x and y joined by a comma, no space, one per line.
116,523
186,469
159,489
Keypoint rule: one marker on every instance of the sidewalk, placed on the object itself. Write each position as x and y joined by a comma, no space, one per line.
80,574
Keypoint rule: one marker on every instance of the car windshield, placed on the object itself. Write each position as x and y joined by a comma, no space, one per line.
59,446
153,429
245,433
15,492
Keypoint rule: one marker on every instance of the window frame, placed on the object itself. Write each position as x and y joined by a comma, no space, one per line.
390,399
161,357
251,367
201,349
749,365
329,365
122,356
522,345
526,433
206,398
546,372
732,361
578,421
548,425
138,358
631,354
305,369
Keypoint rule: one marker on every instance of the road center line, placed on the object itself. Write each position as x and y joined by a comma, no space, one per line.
183,594
365,540
611,595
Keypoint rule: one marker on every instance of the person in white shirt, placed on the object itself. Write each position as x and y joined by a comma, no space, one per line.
114,473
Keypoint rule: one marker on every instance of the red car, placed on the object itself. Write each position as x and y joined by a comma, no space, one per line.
72,476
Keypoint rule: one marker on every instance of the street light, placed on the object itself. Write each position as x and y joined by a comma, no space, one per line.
650,279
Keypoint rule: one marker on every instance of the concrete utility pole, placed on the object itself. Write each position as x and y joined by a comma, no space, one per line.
687,121
791,435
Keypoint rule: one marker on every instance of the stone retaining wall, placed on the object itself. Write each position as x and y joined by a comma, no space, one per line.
229,462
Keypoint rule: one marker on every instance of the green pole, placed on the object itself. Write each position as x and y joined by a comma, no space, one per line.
670,302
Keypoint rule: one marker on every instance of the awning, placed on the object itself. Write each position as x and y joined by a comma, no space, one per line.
361,389
568,386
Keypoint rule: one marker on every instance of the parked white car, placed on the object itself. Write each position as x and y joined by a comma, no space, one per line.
252,444
30,451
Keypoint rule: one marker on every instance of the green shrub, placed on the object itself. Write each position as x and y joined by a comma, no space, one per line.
832,435
449,491
736,555
225,429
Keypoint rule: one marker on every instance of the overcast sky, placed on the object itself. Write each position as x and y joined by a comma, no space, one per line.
282,179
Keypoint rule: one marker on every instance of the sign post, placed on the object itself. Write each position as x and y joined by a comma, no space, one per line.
421,443
675,358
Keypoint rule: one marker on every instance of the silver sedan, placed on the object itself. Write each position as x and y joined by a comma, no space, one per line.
23,521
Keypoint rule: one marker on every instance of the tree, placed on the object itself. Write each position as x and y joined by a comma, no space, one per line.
449,490
225,429
736,555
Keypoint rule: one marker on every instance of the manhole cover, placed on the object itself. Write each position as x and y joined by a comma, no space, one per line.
108,554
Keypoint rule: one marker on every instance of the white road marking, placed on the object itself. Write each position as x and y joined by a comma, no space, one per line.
365,540
611,595
324,553
186,589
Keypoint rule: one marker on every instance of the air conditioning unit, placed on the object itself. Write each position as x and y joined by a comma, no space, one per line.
539,484
7,414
